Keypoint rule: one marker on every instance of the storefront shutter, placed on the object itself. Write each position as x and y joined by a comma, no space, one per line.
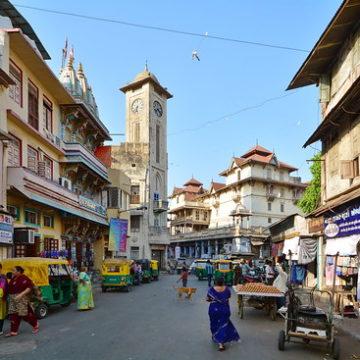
347,169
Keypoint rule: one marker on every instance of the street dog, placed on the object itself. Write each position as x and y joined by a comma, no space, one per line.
185,290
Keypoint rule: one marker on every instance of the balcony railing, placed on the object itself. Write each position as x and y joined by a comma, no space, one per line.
190,220
160,206
134,199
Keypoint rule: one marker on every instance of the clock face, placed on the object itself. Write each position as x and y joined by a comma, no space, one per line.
157,108
137,106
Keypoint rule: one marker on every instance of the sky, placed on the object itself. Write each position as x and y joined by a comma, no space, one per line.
224,104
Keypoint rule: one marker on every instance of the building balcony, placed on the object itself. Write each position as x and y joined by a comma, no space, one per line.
160,206
189,220
77,153
159,235
270,196
188,205
30,185
220,233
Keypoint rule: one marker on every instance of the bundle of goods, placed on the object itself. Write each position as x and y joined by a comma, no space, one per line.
258,288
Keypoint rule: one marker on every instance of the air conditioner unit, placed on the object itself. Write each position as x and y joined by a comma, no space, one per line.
65,182
24,236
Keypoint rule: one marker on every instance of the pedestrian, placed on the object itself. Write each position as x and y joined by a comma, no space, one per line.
221,327
19,289
269,272
84,291
139,273
184,277
3,296
210,272
250,272
281,284
237,274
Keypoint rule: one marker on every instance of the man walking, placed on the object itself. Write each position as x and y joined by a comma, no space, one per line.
210,272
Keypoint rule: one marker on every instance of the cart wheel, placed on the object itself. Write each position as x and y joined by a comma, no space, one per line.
335,349
41,311
281,340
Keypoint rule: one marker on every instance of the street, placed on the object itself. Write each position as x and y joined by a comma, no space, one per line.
150,322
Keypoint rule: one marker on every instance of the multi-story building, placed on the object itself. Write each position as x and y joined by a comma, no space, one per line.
258,191
334,65
143,158
54,180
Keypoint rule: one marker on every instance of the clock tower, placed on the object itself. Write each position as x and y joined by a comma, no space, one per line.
146,142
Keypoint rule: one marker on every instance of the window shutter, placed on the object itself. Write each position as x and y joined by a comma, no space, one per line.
41,168
347,169
324,88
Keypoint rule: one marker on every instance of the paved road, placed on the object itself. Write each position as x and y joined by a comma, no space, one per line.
151,323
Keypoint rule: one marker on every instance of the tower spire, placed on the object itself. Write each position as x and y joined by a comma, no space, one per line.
146,66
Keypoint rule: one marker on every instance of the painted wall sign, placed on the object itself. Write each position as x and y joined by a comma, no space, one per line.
92,205
6,229
343,224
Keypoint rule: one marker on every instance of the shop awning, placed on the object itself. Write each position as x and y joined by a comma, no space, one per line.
307,250
291,246
343,246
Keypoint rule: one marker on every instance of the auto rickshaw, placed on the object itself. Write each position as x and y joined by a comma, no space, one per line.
155,272
200,269
51,276
115,273
224,268
146,269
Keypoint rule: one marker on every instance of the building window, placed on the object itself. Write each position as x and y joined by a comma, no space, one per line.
48,168
156,196
282,192
205,215
114,198
269,220
134,252
282,207
48,221
15,91
47,114
268,173
32,158
14,211
135,194
269,206
33,102
239,175
157,220
281,176
32,217
51,244
14,152
197,215
157,145
135,223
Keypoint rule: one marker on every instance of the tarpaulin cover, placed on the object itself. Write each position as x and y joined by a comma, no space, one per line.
344,245
307,250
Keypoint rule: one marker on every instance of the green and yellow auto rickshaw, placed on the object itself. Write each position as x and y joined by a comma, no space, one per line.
115,273
155,272
200,269
146,270
51,276
224,268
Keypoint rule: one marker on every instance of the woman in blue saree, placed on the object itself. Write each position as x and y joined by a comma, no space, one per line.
221,327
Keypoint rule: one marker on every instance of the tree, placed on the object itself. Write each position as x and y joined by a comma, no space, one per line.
311,198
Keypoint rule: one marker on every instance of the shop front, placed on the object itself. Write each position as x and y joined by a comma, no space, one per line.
6,235
342,251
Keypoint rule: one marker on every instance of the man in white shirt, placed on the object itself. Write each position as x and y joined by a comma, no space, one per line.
269,273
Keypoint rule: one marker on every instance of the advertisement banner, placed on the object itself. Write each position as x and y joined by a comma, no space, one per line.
118,234
343,224
6,229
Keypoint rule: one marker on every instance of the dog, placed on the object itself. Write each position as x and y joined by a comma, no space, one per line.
185,290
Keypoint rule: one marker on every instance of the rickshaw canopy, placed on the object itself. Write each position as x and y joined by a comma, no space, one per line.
154,264
37,269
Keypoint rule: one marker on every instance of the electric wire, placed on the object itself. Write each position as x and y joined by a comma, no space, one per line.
159,28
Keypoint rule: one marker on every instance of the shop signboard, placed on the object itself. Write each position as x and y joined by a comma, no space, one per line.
118,234
344,223
316,224
6,229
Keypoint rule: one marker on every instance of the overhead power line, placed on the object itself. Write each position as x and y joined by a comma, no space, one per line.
228,116
158,28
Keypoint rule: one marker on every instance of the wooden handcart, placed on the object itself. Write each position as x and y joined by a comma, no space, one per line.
258,300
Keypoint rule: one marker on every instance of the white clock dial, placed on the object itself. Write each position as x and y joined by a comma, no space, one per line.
137,106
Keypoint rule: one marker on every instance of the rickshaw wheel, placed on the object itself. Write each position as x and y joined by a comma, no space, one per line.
335,349
281,340
66,304
41,311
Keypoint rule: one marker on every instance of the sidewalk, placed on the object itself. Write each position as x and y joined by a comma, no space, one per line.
349,326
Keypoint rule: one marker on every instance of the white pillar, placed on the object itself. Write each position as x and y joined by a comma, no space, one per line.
321,258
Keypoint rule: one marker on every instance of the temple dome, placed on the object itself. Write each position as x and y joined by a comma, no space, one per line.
70,80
